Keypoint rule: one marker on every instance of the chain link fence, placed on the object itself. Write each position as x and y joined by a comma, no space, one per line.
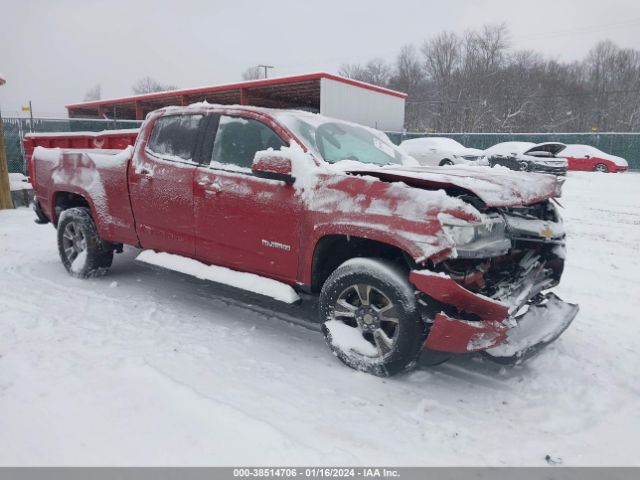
625,145
16,128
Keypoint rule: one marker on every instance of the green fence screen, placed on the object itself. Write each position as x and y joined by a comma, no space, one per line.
16,128
625,145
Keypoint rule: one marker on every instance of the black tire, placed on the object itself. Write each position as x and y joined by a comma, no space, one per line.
524,166
41,218
390,346
601,167
83,253
446,161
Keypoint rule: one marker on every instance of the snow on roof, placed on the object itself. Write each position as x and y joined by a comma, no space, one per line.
238,85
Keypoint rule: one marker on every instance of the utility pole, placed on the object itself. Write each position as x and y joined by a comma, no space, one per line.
31,116
265,69
5,187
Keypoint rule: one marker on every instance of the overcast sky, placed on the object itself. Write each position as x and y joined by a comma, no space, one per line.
52,52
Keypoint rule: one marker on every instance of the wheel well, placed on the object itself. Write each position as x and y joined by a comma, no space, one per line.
66,200
444,161
333,250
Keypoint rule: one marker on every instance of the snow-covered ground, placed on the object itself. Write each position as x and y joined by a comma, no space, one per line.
145,367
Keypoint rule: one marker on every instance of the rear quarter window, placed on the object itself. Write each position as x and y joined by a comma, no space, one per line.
174,137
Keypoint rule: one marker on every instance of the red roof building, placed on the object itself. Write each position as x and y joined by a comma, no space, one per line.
324,93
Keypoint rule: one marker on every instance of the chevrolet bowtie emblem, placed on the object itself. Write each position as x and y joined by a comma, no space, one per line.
546,232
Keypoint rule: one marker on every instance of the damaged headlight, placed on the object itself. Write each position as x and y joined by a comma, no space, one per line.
460,234
477,240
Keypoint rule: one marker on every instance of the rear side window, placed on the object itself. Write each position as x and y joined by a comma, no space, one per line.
238,139
174,137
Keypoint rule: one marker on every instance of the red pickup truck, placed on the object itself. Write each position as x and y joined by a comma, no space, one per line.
405,259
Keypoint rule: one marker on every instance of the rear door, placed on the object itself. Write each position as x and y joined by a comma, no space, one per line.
243,221
161,184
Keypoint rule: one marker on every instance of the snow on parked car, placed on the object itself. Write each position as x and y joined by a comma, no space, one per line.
529,157
588,158
431,151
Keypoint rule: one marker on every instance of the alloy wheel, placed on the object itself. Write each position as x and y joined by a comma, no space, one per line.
370,312
73,241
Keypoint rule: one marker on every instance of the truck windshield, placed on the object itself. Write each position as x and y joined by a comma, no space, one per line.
333,140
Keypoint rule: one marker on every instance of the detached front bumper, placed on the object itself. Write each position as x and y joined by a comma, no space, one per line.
507,334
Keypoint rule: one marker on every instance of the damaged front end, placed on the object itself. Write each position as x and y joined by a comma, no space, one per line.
491,294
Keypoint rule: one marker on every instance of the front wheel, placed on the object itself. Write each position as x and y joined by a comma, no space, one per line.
370,318
83,253
601,167
446,162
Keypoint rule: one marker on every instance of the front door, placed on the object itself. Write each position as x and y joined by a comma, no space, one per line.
161,185
245,222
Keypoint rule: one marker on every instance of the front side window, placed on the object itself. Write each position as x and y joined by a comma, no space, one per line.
238,139
174,137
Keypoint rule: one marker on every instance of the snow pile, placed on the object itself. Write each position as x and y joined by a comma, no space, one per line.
78,263
18,181
170,373
245,281
349,339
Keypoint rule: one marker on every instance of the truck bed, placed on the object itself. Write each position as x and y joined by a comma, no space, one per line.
100,177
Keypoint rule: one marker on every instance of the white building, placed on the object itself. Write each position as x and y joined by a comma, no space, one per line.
325,93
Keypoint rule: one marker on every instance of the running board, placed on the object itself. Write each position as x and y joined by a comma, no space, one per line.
242,280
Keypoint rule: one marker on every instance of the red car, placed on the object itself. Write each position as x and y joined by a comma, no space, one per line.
590,159
403,259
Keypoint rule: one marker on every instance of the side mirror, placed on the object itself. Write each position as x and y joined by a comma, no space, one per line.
274,165
587,156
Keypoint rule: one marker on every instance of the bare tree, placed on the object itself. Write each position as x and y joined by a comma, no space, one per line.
475,82
351,70
253,73
376,72
93,93
150,85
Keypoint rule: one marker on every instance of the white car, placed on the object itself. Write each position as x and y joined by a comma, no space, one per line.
431,151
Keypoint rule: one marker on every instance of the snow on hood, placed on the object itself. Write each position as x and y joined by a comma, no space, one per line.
495,187
619,161
471,151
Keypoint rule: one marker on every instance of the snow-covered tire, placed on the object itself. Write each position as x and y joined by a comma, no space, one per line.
445,162
601,167
364,299
83,253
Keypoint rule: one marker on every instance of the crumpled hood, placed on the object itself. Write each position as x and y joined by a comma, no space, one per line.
497,187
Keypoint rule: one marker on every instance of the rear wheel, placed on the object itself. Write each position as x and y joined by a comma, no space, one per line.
524,166
446,162
601,167
371,322
83,253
